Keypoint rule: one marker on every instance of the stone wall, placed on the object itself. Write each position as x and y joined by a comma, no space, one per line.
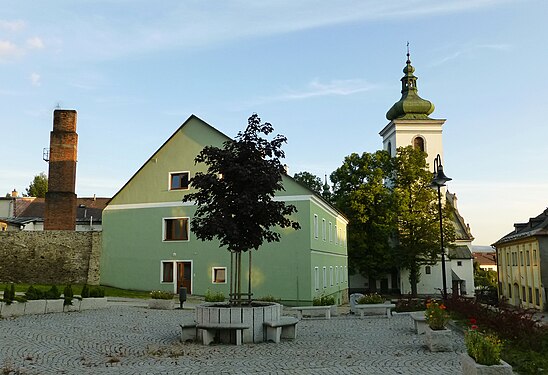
50,257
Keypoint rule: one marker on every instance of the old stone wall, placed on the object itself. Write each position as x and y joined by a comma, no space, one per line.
50,257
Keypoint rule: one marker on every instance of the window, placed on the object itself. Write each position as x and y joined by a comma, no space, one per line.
179,180
219,275
418,143
336,275
324,277
316,278
459,263
534,257
336,235
530,295
346,274
331,275
323,229
523,295
521,262
315,226
537,297
330,232
509,291
428,270
527,258
389,149
176,229
167,272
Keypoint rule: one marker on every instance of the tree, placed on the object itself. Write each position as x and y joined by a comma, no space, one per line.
38,187
484,278
360,193
309,180
418,233
234,196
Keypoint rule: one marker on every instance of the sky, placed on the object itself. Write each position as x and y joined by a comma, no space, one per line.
323,72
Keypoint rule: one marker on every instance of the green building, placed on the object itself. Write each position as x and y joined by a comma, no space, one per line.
147,244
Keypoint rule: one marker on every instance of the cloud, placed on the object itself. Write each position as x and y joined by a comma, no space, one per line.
8,50
35,43
470,51
13,26
35,79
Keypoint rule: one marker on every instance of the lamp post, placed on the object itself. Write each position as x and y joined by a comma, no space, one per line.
438,181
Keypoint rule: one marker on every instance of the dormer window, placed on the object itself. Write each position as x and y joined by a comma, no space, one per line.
179,180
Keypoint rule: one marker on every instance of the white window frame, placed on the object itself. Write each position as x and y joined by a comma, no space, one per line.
169,181
331,275
324,277
323,230
173,272
336,275
346,274
175,218
330,232
315,226
213,269
336,235
316,278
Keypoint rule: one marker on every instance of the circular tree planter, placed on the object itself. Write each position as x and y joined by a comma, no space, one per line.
254,315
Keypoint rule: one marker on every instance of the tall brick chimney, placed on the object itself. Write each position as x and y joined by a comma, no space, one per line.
61,199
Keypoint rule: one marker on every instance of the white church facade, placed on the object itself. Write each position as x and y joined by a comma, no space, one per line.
410,124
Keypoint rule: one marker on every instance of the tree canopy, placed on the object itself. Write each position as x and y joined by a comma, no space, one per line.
234,196
38,187
310,180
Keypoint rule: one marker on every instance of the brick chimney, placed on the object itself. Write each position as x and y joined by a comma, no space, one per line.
61,207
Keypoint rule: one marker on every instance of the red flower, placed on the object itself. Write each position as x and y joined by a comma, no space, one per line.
474,327
472,321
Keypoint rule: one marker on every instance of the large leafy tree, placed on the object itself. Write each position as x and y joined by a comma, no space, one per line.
418,233
38,187
234,196
360,192
310,180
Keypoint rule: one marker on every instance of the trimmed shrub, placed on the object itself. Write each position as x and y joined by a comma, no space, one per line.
7,295
97,292
323,300
33,293
68,294
214,296
85,291
269,298
53,293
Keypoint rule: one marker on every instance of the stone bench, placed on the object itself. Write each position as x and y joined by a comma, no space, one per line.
283,328
373,307
188,332
209,330
419,321
301,309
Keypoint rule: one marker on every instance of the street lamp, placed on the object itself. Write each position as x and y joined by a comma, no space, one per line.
438,181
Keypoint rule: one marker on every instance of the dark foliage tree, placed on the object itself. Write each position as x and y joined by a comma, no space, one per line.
38,187
234,196
310,180
360,193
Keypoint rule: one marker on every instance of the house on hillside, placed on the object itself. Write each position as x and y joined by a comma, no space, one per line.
523,263
147,244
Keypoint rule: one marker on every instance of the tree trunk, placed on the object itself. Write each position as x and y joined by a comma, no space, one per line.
413,279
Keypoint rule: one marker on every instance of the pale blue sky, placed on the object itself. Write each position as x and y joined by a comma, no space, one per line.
324,73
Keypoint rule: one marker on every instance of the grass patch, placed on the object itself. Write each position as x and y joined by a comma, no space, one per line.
77,289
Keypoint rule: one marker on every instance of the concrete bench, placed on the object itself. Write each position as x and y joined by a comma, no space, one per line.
188,331
372,307
419,321
283,328
209,330
301,309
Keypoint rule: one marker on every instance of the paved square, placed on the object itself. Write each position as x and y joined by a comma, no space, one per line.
135,340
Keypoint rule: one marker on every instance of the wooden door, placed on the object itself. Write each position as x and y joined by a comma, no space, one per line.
184,276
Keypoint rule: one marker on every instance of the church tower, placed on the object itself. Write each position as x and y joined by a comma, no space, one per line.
409,122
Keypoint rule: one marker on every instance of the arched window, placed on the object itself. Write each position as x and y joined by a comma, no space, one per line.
427,270
418,142
390,149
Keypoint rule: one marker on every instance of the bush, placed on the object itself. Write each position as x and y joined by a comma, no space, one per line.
85,291
323,300
410,304
436,315
214,296
269,298
33,293
68,294
159,294
9,294
97,292
53,293
371,298
484,348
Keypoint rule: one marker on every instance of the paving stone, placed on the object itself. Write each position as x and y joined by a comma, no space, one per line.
125,339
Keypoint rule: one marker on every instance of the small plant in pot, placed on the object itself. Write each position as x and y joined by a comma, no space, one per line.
437,337
323,300
160,294
369,299
436,315
161,300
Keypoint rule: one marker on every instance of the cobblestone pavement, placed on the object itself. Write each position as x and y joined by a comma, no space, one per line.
124,339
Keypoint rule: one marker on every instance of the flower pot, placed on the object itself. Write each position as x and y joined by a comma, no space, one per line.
161,304
438,340
470,367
